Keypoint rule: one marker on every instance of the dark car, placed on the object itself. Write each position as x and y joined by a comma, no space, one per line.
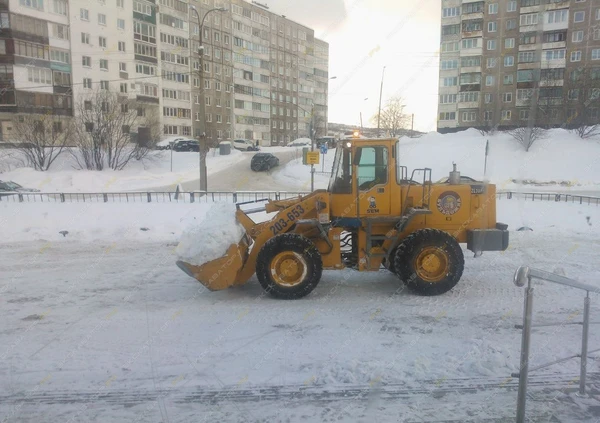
11,188
263,161
187,146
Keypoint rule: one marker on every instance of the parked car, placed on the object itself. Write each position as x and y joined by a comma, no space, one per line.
186,145
263,161
300,142
166,144
10,187
245,145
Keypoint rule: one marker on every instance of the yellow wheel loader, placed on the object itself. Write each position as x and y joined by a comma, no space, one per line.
371,215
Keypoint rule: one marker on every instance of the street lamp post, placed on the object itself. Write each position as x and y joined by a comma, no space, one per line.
380,93
201,131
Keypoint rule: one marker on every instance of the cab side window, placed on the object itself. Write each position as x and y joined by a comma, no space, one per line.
372,164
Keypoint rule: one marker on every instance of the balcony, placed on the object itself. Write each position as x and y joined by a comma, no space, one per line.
528,65
147,99
554,63
470,69
468,105
551,101
554,45
472,16
471,34
552,82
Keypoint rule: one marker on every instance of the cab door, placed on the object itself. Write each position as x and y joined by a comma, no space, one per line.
372,180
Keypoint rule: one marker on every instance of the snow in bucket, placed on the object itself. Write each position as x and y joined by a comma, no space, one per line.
208,236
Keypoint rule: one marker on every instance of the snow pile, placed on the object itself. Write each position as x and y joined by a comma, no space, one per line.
208,237
154,171
560,162
91,222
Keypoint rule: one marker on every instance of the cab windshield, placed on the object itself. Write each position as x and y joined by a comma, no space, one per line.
341,173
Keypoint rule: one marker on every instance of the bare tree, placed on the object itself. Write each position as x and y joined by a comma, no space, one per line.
41,138
103,125
393,119
527,136
582,102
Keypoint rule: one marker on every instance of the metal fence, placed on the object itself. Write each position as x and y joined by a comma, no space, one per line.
549,196
523,278
148,197
235,197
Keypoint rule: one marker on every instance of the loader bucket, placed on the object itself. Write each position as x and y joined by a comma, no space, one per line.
220,273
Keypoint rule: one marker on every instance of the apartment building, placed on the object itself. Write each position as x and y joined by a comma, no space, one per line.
508,63
263,74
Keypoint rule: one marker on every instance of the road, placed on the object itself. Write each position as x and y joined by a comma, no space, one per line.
242,178
113,331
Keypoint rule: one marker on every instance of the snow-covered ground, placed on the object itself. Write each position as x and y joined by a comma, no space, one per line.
101,325
154,171
546,167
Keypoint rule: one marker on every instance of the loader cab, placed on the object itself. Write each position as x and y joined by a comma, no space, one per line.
360,180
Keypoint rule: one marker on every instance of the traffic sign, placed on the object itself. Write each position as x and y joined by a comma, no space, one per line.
324,149
312,157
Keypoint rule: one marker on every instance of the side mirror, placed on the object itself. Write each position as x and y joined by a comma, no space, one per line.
521,276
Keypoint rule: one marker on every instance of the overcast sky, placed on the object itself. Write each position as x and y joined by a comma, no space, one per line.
366,35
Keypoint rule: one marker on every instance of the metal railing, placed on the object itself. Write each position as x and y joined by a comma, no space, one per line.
148,197
549,196
523,276
233,196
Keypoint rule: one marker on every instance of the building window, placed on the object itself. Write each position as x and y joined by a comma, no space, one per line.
469,116
470,43
573,94
529,19
121,23
490,62
509,43
84,14
86,61
596,54
449,12
102,42
507,97
121,46
576,56
555,54
87,83
508,79
60,7
123,88
85,38
506,115
39,75
511,24
207,101
103,64
104,85
511,6
509,61
122,67
487,116
488,98
101,19
491,45
557,16
489,80
579,16
121,3
492,26
523,114
448,116
577,36
493,8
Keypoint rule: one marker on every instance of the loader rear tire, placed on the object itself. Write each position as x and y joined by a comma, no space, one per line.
429,261
289,266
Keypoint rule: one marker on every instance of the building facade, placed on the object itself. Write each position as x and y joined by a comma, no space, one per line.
263,74
510,63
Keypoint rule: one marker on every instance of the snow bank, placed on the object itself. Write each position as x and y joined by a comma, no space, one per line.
155,171
209,235
561,162
95,222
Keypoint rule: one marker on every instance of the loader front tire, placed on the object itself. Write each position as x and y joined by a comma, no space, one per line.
289,266
429,261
